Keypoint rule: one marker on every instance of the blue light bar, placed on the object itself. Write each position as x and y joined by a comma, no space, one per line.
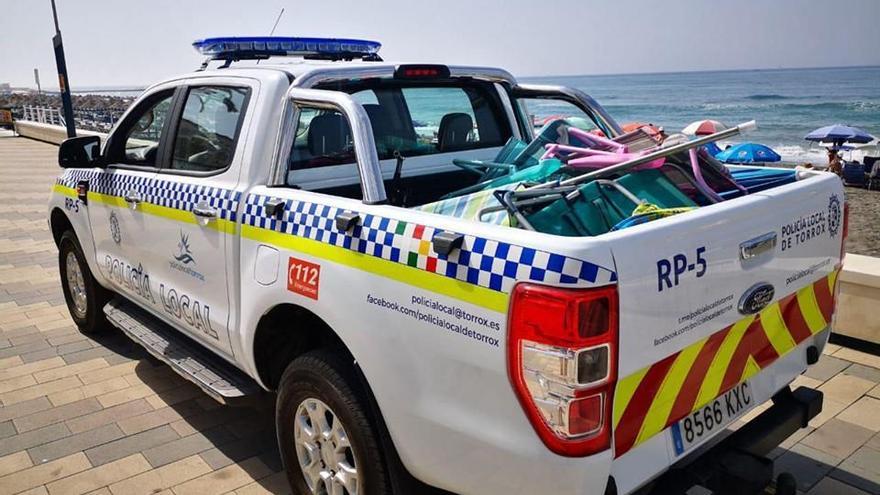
258,47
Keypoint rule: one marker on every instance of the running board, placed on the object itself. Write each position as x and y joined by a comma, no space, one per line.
218,378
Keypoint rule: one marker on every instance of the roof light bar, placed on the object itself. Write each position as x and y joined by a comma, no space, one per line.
262,47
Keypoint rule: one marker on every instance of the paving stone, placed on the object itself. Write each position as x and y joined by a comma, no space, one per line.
7,429
827,367
33,438
865,412
131,444
858,357
862,470
830,409
24,408
226,479
39,355
165,415
97,477
831,486
187,446
808,465
41,474
862,371
162,478
105,416
275,484
238,450
14,462
845,388
838,438
75,443
56,414
69,370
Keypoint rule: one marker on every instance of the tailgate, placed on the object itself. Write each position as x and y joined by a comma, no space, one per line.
710,298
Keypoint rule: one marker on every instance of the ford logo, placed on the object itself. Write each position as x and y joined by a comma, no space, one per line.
756,298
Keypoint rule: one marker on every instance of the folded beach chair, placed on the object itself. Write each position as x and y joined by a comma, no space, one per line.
600,205
854,174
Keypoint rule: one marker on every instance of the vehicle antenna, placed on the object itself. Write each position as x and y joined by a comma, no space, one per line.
277,19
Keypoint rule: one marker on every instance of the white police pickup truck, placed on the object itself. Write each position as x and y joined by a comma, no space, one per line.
264,227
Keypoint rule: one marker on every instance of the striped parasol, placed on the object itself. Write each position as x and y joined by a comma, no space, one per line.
704,128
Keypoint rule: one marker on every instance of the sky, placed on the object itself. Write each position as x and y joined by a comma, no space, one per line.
113,43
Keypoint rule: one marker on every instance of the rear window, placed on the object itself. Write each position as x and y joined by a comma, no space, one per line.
412,120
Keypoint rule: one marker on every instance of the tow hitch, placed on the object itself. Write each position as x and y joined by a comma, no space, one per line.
738,464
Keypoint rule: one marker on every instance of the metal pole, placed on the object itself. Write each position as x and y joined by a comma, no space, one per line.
63,82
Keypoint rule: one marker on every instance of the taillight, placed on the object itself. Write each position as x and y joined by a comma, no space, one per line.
562,360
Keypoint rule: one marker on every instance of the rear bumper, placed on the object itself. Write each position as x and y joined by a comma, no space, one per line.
738,464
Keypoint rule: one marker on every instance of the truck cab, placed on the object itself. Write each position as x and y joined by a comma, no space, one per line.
270,228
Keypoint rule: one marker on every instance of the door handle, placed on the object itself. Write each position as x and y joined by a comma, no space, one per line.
133,198
753,248
346,220
204,211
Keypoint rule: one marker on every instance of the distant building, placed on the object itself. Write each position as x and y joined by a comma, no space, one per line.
5,88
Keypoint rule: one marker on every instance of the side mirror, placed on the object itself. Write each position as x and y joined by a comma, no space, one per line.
80,152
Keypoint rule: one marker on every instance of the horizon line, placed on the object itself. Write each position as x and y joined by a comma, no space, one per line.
131,88
707,71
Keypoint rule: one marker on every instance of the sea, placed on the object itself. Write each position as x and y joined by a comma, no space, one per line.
786,103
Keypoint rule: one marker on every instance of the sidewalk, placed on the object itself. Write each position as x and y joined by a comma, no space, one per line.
94,414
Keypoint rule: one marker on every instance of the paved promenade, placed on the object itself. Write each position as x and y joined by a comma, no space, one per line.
96,415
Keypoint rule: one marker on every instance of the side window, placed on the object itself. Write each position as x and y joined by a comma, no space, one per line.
453,118
208,129
140,145
541,111
323,137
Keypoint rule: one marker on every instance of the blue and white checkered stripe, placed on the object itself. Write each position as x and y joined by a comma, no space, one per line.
488,263
157,191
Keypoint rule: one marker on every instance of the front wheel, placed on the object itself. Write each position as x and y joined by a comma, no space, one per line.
327,441
85,298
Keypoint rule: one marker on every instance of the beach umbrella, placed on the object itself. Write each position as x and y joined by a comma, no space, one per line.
839,133
748,153
703,128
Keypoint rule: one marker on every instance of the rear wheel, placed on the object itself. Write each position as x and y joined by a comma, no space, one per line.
85,298
327,440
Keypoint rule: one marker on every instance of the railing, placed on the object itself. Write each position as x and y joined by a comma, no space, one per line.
92,120
43,115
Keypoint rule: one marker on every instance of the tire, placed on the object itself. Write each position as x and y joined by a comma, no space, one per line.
85,298
322,379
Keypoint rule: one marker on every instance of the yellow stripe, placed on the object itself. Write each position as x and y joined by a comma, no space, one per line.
655,421
777,332
750,369
832,279
715,374
219,224
624,392
474,294
480,296
810,309
64,190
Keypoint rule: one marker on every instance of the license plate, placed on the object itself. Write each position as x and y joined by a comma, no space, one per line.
711,418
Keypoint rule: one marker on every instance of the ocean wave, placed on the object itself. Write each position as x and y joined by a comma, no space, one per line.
760,97
801,154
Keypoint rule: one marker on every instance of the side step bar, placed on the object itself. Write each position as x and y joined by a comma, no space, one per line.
218,378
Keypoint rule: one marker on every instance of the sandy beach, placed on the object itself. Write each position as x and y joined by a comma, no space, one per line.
864,215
